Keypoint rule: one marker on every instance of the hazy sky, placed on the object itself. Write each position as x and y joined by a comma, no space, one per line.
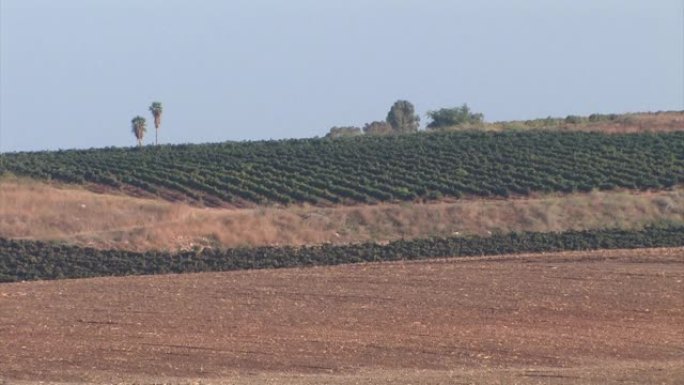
74,72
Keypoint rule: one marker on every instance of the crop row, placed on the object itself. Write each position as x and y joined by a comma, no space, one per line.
373,169
30,260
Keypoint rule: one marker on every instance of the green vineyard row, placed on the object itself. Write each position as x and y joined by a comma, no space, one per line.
31,260
372,169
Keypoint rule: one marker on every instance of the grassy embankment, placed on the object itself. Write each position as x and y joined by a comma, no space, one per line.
40,211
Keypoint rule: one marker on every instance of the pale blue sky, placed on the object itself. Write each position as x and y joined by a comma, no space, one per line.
74,72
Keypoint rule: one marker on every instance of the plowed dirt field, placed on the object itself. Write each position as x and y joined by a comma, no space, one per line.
563,318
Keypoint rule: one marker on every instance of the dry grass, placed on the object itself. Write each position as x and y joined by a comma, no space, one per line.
36,210
624,123
638,122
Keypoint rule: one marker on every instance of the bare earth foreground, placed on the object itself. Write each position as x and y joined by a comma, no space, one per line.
565,318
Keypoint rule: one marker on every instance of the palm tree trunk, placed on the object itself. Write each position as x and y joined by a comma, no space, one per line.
156,136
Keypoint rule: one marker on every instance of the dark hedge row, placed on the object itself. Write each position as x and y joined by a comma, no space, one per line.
373,169
28,260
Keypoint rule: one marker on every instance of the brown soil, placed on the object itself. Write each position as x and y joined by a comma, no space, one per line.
34,210
580,317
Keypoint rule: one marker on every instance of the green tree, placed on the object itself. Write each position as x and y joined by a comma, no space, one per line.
402,117
139,128
448,117
156,110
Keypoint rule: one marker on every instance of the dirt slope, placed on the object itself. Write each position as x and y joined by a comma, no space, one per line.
583,317
47,212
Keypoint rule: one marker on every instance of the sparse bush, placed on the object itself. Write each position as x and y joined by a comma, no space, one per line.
341,132
573,119
551,121
378,128
602,117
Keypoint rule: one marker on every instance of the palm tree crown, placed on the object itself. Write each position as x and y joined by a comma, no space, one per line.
138,128
156,110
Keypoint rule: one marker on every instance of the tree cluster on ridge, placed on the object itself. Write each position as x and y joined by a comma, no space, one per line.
402,119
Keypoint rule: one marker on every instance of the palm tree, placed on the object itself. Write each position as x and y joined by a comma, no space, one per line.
156,110
139,129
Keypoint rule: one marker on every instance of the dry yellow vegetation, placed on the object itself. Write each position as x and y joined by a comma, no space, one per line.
665,121
34,210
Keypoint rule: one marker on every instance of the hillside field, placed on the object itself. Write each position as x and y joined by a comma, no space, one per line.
422,166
